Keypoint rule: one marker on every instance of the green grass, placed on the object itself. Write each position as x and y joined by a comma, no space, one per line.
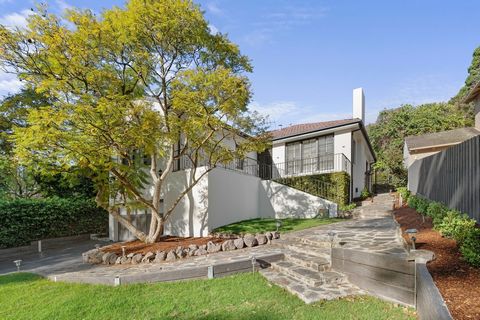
264,225
242,296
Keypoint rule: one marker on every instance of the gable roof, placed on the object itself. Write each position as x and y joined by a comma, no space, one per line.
438,139
303,128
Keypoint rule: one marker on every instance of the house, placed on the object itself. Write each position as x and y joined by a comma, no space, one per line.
444,166
256,186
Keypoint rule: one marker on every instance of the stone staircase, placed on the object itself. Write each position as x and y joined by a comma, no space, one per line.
305,271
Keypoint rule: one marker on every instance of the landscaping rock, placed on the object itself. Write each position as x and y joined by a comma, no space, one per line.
250,241
261,238
239,244
228,245
130,255
200,252
171,256
149,256
203,246
181,253
269,235
192,247
125,260
109,258
276,235
191,251
137,258
119,260
160,256
93,256
212,247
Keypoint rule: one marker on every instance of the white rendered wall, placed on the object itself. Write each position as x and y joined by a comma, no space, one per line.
362,155
278,153
413,175
232,196
342,143
279,201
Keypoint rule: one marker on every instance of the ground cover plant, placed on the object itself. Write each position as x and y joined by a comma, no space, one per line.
27,296
263,225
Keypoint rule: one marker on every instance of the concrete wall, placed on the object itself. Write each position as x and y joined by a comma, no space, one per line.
232,196
280,201
430,303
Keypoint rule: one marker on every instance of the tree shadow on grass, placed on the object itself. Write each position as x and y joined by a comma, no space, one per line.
264,225
18,278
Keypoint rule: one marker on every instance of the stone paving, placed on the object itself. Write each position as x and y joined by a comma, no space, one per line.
305,268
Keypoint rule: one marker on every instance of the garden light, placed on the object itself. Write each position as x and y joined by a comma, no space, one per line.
123,251
18,263
254,261
278,223
411,233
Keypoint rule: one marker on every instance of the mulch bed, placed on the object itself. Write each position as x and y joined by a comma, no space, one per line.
458,283
165,244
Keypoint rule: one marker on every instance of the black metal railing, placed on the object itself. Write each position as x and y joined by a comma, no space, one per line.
247,165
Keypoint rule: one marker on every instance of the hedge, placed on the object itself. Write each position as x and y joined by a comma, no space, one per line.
452,224
335,186
26,220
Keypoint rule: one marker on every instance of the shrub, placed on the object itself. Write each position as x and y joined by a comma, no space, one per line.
457,226
365,193
404,192
422,205
412,202
437,212
347,207
26,220
470,248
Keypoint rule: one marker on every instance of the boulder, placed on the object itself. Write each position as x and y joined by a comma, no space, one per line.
149,256
212,247
276,235
239,244
125,260
200,252
130,255
119,260
203,246
261,239
137,258
192,247
250,240
93,256
171,256
228,245
109,258
160,256
269,235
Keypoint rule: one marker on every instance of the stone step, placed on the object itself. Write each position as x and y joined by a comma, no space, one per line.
308,249
308,276
320,241
317,263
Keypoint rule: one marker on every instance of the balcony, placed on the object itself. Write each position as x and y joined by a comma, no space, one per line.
311,166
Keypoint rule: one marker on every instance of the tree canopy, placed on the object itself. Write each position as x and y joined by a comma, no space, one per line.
133,90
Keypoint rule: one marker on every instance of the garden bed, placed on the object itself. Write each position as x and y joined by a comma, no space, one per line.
458,282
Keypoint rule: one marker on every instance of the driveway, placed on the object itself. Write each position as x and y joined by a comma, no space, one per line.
66,256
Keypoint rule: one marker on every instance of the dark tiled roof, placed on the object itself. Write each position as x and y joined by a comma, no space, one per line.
309,127
441,138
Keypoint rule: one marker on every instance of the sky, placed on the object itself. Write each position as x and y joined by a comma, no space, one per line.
308,56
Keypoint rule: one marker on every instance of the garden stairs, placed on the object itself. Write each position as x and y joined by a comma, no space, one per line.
305,271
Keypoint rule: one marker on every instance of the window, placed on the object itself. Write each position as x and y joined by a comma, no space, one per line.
325,152
293,157
310,155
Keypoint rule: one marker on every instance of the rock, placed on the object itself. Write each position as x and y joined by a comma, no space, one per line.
160,256
269,235
92,256
130,255
250,240
239,244
200,252
193,247
203,246
191,252
171,256
149,256
212,247
125,260
119,260
276,235
137,258
261,238
228,245
109,258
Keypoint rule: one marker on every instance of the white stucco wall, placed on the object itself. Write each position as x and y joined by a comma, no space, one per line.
279,201
362,155
232,196
413,175
342,143
278,153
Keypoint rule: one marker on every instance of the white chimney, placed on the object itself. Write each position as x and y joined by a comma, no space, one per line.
358,104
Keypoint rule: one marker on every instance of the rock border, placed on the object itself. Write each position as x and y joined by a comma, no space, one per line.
97,256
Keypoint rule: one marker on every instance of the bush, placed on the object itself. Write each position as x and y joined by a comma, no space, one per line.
365,193
26,220
470,248
404,192
422,205
437,211
413,202
347,207
457,226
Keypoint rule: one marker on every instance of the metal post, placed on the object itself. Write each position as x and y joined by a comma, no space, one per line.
40,246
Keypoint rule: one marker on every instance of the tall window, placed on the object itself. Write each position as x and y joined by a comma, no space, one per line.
309,156
294,157
325,153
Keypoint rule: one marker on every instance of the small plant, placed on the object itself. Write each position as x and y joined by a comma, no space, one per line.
457,226
437,211
365,193
404,192
347,207
470,248
412,202
422,206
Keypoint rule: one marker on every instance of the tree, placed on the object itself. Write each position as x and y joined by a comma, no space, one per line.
472,79
388,133
134,90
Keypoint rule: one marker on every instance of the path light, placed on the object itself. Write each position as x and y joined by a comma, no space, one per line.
331,237
123,251
411,233
18,263
278,223
254,261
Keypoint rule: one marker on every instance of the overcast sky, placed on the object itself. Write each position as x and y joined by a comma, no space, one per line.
308,56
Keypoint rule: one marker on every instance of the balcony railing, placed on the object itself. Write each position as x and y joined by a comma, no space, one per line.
247,165
318,165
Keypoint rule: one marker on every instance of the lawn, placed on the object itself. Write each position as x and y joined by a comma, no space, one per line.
264,225
242,296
